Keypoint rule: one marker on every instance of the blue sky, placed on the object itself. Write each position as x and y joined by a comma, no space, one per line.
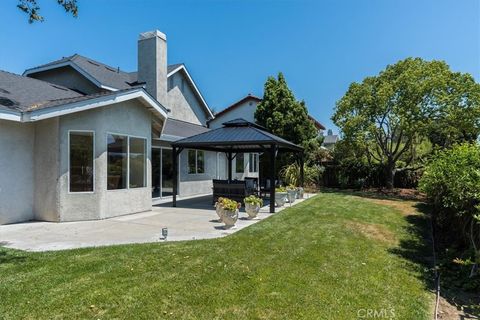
231,47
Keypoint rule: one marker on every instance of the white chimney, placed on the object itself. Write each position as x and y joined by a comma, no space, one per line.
152,64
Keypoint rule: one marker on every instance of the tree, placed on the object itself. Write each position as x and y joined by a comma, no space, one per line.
31,8
283,115
392,113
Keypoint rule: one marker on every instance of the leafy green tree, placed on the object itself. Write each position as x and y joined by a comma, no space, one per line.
283,115
32,8
391,114
452,182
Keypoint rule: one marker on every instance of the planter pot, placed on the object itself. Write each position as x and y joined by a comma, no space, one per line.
291,195
300,193
219,210
230,217
252,210
280,198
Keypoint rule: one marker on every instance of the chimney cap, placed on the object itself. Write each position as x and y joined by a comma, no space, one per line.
152,34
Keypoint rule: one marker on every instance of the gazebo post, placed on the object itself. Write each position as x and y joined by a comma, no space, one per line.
230,158
302,173
272,178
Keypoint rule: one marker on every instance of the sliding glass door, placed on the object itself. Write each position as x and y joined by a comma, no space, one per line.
162,173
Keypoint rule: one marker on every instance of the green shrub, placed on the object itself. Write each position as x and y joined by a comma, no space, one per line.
452,182
312,174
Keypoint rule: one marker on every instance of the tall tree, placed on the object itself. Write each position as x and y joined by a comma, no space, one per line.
32,9
283,115
408,101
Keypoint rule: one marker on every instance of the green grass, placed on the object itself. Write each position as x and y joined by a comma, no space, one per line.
326,258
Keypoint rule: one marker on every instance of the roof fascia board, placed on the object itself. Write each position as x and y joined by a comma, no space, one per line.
74,66
10,116
92,104
197,91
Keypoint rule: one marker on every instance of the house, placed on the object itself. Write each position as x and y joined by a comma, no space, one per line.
245,108
330,140
82,140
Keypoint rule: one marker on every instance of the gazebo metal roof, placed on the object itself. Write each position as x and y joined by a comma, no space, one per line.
237,135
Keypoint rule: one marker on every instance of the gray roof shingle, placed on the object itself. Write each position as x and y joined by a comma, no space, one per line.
106,75
21,93
176,129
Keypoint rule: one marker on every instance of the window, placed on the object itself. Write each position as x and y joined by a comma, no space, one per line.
117,162
253,162
126,161
239,163
137,157
170,83
183,85
196,161
81,167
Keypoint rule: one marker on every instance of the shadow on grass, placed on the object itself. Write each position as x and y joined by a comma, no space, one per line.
10,257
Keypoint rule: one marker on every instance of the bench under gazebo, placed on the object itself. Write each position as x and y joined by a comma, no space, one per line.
238,136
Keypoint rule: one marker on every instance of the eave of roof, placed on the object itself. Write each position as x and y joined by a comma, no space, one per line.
60,107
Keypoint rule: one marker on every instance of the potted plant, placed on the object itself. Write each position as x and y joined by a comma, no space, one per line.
300,192
219,208
230,212
252,206
291,193
280,196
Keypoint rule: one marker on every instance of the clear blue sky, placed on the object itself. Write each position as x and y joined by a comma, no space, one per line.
231,47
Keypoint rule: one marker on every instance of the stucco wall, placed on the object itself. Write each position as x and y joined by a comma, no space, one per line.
16,172
192,184
67,77
126,118
46,170
184,105
246,110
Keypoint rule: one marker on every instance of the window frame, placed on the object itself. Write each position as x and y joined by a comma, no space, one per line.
144,162
68,162
145,173
236,163
196,162
255,158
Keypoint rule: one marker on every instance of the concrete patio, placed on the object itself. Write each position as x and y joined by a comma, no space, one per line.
192,219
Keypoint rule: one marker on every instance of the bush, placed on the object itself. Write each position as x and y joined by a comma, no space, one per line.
452,182
312,174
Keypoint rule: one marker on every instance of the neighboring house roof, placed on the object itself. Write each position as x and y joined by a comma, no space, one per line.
248,97
26,99
317,124
236,135
238,103
111,78
176,129
330,139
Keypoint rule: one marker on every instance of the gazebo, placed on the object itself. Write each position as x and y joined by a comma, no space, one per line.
238,136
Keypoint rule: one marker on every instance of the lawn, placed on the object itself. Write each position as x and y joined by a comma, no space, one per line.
335,256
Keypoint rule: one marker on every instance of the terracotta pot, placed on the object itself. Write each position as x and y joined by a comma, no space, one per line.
252,210
230,217
280,198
